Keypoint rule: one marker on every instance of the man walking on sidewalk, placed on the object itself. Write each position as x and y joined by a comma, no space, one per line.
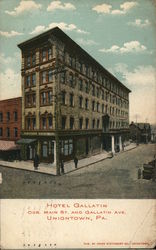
62,167
75,161
36,161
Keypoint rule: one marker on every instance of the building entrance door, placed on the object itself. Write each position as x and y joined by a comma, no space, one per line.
47,151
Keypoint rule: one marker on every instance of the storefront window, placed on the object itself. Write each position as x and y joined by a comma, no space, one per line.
67,147
45,149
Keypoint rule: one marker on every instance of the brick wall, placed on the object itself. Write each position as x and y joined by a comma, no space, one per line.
10,106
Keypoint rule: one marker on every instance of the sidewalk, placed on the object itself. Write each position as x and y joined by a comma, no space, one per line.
49,168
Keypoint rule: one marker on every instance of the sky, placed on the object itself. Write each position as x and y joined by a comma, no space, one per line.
120,35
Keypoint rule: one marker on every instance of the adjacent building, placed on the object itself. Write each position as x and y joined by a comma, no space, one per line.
70,99
10,127
140,132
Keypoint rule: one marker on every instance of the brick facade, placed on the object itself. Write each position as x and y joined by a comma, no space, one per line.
10,119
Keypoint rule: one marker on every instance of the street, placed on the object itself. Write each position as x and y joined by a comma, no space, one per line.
110,178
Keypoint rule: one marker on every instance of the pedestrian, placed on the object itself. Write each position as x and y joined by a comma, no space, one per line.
139,173
36,161
75,161
62,167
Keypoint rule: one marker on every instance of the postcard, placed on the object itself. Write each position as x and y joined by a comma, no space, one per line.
77,124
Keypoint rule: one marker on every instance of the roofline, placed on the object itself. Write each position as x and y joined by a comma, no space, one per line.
57,29
11,99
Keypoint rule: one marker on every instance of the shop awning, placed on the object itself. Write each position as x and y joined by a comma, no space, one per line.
8,145
26,141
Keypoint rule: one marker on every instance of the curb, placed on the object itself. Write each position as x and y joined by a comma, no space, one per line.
86,165
29,170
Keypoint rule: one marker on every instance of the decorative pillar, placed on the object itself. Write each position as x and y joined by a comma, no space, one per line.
54,152
120,143
37,91
113,150
38,147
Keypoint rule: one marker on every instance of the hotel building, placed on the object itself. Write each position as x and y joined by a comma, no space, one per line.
69,99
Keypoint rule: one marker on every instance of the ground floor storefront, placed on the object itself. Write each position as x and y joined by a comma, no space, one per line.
9,151
70,144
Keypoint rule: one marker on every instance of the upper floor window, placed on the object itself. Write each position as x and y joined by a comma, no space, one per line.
71,122
30,99
46,97
34,123
15,116
80,84
98,123
93,90
106,108
62,77
28,123
34,99
28,61
80,101
27,100
49,54
43,122
93,123
80,123
34,79
63,95
44,77
50,121
87,123
71,80
70,60
103,81
87,87
1,117
107,96
71,99
46,121
79,66
1,131
98,107
93,105
33,59
15,132
97,92
86,103
50,97
102,108
28,81
8,116
50,76
44,56
102,94
7,132
86,70
63,122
